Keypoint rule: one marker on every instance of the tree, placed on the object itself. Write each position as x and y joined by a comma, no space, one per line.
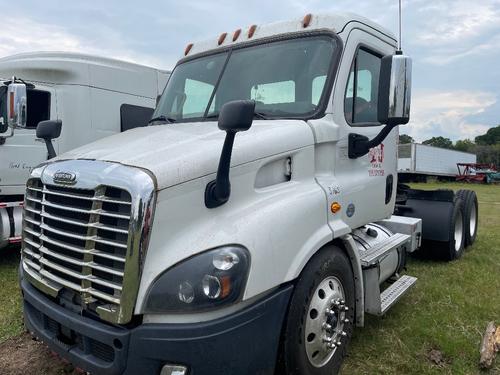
492,137
465,145
405,138
439,142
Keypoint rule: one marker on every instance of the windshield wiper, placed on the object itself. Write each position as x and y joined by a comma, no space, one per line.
259,115
163,119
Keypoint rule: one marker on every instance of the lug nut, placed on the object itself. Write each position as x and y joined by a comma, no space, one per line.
327,339
343,334
332,345
327,326
338,343
346,320
329,312
345,308
342,302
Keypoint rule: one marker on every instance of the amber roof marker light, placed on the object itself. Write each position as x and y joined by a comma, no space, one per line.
222,38
236,35
188,48
251,31
307,20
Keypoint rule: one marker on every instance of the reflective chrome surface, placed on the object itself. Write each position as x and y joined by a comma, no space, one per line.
473,221
325,322
88,240
16,105
459,231
400,87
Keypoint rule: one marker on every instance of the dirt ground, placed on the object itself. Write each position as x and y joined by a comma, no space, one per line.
22,355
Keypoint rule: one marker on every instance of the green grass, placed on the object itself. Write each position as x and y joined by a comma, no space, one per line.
447,310
10,297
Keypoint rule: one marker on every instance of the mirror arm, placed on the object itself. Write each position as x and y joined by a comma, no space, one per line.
360,145
50,148
218,191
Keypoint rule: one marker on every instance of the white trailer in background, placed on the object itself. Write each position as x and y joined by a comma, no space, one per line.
94,97
417,161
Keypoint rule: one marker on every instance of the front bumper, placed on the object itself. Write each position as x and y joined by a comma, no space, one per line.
243,343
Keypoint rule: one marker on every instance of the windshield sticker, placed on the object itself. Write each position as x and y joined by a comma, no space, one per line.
376,157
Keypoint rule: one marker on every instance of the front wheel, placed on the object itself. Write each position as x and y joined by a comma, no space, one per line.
319,325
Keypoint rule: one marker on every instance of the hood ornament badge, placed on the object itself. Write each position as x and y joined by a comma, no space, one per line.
65,178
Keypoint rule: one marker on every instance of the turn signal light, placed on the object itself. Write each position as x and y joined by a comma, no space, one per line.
335,207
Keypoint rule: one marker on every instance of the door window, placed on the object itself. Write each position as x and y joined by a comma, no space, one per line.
361,97
38,107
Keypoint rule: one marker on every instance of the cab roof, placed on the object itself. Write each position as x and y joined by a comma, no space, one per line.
86,70
334,22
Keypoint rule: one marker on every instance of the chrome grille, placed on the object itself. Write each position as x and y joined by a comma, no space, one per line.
78,239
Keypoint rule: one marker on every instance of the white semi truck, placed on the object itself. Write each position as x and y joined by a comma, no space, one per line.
93,96
186,248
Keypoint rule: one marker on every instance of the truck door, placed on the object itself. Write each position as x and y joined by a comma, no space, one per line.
22,152
364,188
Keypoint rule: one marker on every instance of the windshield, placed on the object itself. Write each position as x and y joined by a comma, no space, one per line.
286,79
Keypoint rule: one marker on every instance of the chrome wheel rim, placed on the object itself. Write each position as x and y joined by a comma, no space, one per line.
325,321
459,231
472,221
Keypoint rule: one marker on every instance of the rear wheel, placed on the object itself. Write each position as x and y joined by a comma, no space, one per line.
471,210
454,248
319,323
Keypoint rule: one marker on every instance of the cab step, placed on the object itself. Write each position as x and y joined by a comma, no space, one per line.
375,253
379,302
394,292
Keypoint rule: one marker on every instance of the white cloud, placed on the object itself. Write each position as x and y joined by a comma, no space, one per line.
447,21
446,56
448,114
34,36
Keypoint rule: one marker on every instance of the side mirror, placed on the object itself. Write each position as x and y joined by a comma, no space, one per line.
394,95
234,117
237,116
49,130
17,105
394,99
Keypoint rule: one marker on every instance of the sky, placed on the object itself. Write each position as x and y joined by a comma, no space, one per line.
455,44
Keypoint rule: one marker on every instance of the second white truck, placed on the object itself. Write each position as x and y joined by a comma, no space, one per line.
92,96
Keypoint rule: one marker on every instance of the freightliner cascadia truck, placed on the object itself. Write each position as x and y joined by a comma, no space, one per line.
252,225
93,96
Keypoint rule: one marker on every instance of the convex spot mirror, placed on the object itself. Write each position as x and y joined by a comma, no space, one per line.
17,105
394,90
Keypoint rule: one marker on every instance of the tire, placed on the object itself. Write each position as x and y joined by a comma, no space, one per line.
471,215
329,275
454,248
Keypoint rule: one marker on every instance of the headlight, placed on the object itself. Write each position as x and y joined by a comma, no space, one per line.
204,282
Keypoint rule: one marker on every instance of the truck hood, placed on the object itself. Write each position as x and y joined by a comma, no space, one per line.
176,153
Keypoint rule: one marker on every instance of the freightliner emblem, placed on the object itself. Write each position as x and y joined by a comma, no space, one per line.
66,178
